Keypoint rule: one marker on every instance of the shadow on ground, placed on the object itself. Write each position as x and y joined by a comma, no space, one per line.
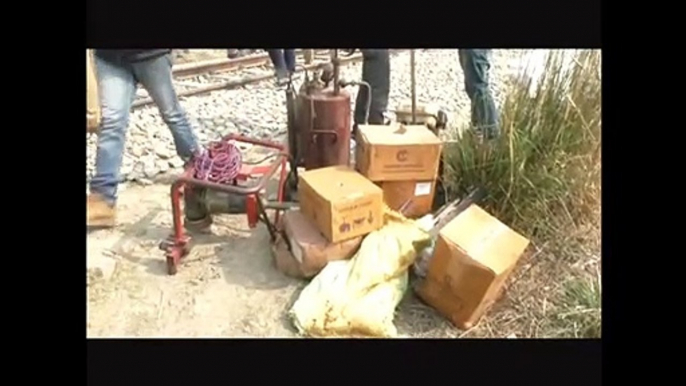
248,262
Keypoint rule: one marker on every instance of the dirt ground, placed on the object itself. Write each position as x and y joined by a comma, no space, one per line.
227,286
221,288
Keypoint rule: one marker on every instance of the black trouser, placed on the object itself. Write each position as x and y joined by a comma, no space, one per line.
376,70
283,60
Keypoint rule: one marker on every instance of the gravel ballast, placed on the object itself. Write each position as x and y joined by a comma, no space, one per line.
259,110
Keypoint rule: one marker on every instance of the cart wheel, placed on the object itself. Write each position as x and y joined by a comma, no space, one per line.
171,266
198,226
186,248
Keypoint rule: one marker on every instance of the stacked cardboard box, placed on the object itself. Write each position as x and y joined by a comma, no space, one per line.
338,207
474,255
403,161
304,252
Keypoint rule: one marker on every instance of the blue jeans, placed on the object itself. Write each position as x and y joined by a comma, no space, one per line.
283,60
475,65
117,85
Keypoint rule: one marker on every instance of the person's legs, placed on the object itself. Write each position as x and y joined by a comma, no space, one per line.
376,70
289,58
475,65
117,88
278,60
156,76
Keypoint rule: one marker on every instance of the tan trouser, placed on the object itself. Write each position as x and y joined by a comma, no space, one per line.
92,97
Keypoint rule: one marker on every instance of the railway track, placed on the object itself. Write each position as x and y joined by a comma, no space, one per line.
211,75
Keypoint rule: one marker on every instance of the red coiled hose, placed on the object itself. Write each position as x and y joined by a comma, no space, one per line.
220,163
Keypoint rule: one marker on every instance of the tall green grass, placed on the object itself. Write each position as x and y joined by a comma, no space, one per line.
543,174
542,177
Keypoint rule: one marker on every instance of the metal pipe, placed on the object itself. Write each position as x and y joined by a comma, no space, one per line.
280,205
336,72
413,85
187,179
368,103
234,189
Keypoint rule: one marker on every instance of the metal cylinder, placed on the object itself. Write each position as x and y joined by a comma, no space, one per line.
324,126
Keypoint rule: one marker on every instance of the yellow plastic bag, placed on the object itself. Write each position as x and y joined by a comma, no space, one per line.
358,297
92,95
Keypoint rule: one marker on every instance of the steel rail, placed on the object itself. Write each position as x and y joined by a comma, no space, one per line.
242,82
185,70
226,65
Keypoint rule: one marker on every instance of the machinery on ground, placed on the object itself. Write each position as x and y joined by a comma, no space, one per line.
412,113
220,181
319,133
319,122
425,114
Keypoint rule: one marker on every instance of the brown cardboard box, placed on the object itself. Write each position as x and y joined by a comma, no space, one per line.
397,152
340,202
396,193
310,251
474,255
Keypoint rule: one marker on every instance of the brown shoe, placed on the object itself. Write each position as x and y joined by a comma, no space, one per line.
99,213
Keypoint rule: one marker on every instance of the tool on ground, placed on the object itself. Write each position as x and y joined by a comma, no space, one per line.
420,114
451,210
442,217
319,121
429,115
218,181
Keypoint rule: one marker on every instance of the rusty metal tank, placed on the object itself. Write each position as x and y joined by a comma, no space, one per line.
323,126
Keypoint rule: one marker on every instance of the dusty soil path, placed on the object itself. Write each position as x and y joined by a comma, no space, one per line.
227,286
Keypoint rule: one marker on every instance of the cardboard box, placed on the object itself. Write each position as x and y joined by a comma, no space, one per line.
310,251
397,152
340,202
474,255
397,193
